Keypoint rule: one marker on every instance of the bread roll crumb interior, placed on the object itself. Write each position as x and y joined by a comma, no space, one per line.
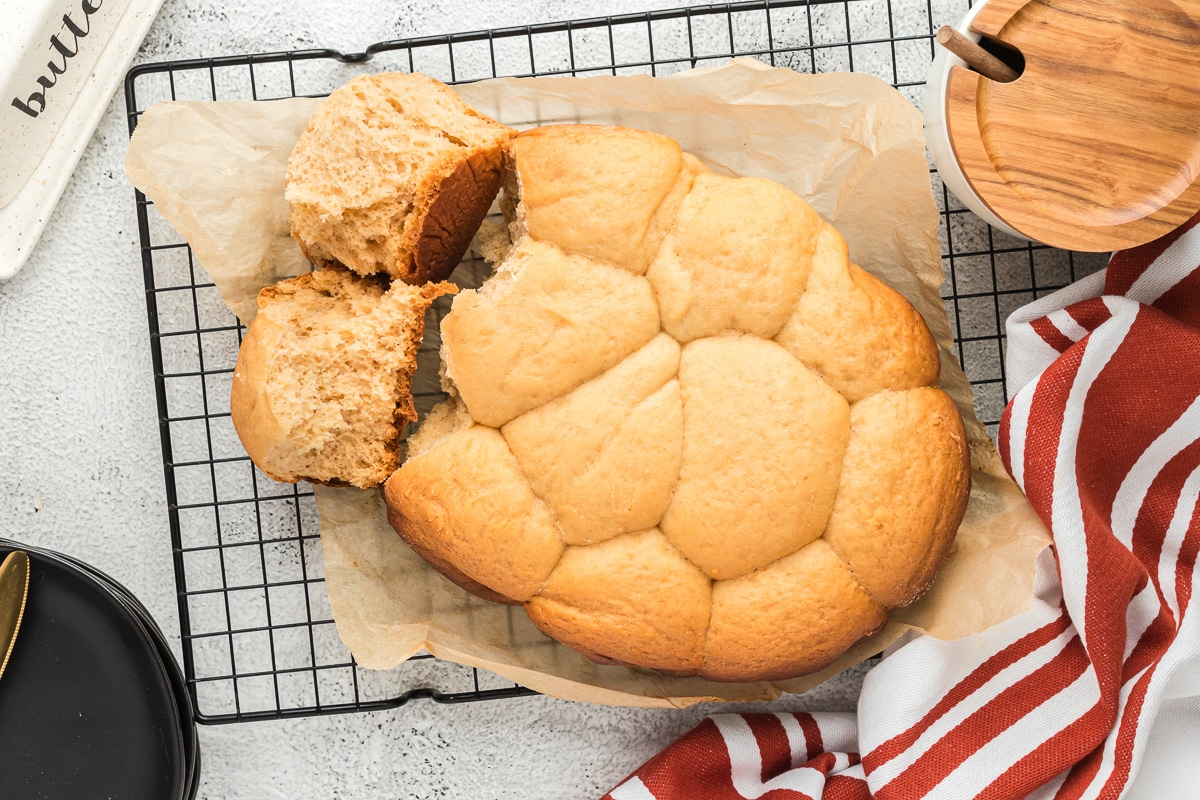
393,174
321,388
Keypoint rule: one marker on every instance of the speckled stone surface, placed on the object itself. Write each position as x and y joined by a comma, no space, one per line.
81,465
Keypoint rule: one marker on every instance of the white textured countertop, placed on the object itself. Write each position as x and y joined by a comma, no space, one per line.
81,465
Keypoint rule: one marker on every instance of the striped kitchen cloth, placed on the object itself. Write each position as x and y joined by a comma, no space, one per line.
1095,691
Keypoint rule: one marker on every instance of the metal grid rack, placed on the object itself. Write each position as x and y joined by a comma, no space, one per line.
258,635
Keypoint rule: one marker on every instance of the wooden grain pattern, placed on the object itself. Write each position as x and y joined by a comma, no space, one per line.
1097,145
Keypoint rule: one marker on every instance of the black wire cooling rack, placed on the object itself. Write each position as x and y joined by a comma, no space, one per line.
258,636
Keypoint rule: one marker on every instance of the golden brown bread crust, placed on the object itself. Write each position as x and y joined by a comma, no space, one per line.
746,407
417,542
453,209
699,498
579,317
466,502
630,600
615,178
791,618
248,398
622,430
736,258
893,527
855,331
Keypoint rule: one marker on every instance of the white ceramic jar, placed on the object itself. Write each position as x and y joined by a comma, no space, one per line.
937,133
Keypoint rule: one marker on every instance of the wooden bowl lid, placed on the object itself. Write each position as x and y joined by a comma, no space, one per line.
1096,146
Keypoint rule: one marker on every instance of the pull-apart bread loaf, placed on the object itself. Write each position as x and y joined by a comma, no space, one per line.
321,391
689,435
394,174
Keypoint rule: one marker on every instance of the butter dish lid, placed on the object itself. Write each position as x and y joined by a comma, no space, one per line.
61,61
1096,145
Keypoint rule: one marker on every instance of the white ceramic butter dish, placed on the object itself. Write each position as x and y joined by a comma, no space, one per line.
61,61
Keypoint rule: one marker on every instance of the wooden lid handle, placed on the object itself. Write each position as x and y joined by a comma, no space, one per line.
977,58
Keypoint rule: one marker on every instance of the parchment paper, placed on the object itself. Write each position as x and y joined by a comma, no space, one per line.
216,171
849,144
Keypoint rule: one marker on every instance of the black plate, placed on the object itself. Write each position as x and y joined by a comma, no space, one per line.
171,666
174,673
86,706
167,662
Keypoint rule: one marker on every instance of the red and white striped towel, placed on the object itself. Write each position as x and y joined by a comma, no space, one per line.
1095,691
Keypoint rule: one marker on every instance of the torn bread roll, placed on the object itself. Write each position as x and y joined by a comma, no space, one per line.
321,391
393,174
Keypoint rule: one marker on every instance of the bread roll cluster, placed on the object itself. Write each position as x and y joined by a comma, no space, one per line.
688,434
684,431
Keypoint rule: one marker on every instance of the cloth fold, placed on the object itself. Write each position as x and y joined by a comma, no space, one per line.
1100,679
